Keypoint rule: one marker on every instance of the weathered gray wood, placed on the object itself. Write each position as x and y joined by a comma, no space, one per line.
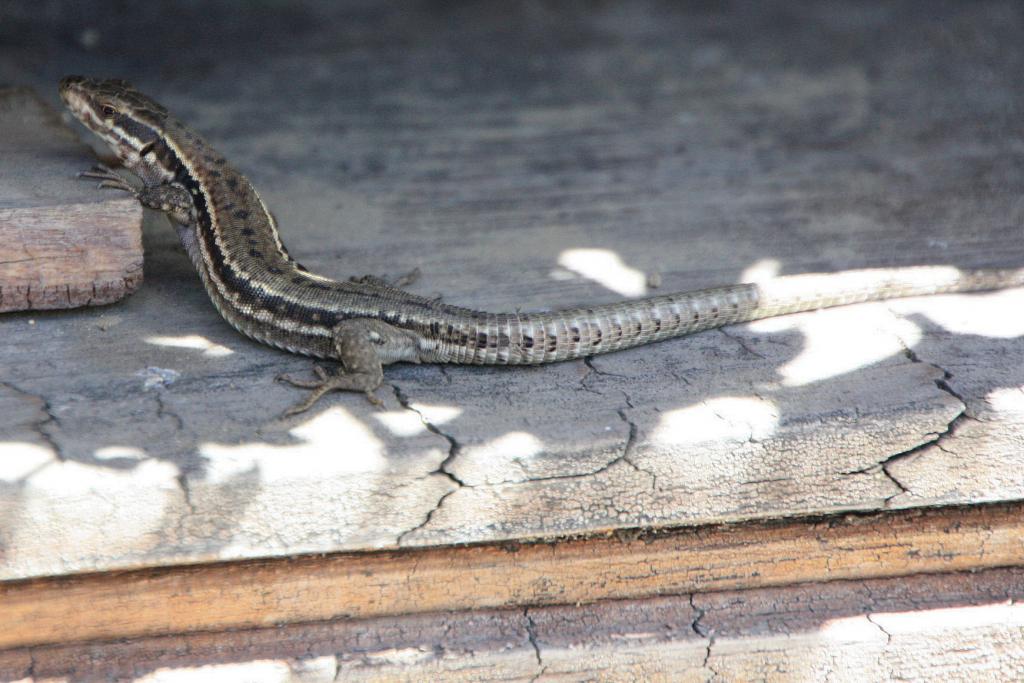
957,627
496,147
64,244
979,455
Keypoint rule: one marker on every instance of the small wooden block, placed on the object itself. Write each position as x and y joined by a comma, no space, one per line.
65,242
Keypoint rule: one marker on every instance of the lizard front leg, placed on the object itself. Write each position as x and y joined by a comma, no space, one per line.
171,198
362,345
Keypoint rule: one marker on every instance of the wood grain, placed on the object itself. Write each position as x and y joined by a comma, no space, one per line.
263,593
957,626
65,243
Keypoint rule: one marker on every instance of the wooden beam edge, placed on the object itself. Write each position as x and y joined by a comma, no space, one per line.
258,593
83,253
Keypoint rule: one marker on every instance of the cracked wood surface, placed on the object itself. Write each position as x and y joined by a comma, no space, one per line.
957,627
539,156
64,244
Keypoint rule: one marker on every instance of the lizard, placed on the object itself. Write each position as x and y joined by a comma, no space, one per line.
365,323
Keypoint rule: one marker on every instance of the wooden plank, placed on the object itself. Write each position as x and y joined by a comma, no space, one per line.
250,594
554,171
65,244
958,626
200,469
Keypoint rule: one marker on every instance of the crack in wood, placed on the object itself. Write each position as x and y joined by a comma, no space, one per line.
44,425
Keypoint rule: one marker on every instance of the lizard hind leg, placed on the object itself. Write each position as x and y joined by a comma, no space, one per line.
327,382
357,343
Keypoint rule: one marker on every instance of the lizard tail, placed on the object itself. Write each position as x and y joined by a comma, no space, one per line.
535,338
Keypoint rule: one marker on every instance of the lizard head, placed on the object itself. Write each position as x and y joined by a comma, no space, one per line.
124,118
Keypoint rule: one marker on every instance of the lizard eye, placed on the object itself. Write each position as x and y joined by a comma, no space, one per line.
108,111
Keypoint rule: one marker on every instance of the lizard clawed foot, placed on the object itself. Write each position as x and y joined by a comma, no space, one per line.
109,179
394,284
327,382
406,279
397,283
